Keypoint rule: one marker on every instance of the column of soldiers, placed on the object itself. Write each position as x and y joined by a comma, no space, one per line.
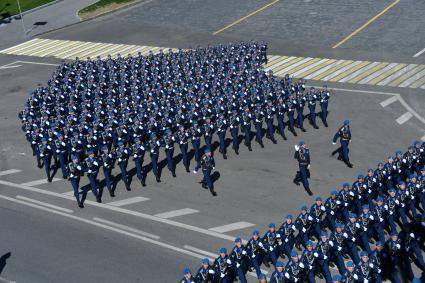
95,115
369,231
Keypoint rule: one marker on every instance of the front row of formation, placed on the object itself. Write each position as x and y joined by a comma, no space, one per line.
370,231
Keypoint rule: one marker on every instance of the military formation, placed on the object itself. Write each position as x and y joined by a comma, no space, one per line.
96,115
370,230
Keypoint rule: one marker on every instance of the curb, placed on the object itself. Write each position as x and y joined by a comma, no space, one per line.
32,10
90,19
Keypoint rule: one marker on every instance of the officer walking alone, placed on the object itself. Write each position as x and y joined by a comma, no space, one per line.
208,164
344,135
302,154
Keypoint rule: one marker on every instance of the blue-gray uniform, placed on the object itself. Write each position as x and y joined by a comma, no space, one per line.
246,126
75,171
61,153
195,135
239,258
366,219
285,236
300,110
291,104
91,167
223,267
107,160
138,153
183,136
234,122
280,114
310,262
393,251
337,243
45,152
255,250
208,164
302,155
294,268
344,135
366,270
123,154
221,126
278,276
258,122
332,205
206,273
324,101
154,145
208,130
269,116
351,233
303,223
169,141
270,244
312,98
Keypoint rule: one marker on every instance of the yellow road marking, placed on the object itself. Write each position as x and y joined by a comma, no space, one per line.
246,17
56,45
418,83
407,75
289,63
72,50
302,66
277,60
84,53
367,72
35,49
386,74
349,71
12,49
61,48
366,24
331,70
314,69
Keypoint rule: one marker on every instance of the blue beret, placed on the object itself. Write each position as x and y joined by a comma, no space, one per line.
279,264
423,168
207,150
324,234
153,135
360,176
398,152
390,157
195,122
363,253
401,183
338,225
120,143
391,190
238,240
380,164
43,139
136,139
379,243
346,122
289,216
186,271
304,207
370,169
318,198
205,261
349,264
301,143
416,280
223,251
393,234
271,225
412,176
74,157
352,215
60,135
256,233
309,243
365,206
346,184
262,276
168,131
379,199
333,192
336,277
90,152
294,253
411,147
104,147
416,142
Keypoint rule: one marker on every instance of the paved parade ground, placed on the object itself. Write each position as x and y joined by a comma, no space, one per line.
370,54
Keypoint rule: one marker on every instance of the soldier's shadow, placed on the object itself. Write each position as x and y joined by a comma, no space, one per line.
3,260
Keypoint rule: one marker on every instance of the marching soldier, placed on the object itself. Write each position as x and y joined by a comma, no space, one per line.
208,164
255,250
302,155
294,268
221,132
324,100
238,257
138,152
195,135
107,161
270,244
188,277
223,267
182,139
205,273
123,153
154,146
45,152
75,172
270,112
169,141
278,276
234,122
246,125
61,154
91,166
344,135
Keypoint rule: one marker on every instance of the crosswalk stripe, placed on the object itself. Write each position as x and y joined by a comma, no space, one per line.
332,70
322,70
110,50
407,75
141,49
93,51
368,72
280,67
271,58
53,46
127,201
18,47
375,74
404,118
39,182
389,101
40,43
59,48
231,227
175,213
419,82
386,74
283,61
292,66
311,69
8,172
305,65
154,50
89,46
341,70
359,71
72,50
413,81
309,66
41,47
397,74
275,61
349,71
121,51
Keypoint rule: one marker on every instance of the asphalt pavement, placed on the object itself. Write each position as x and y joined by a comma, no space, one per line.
152,233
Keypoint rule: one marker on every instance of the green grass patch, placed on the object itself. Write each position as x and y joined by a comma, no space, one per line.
10,7
101,4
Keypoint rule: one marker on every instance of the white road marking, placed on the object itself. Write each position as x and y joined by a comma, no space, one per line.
342,70
71,193
419,53
212,257
389,101
45,204
10,67
39,182
110,228
412,79
8,172
284,70
322,70
398,74
37,63
404,118
377,73
305,69
279,63
21,45
127,201
175,213
123,227
231,227
358,72
124,211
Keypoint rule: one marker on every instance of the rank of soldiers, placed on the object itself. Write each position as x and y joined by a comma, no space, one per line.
96,114
369,231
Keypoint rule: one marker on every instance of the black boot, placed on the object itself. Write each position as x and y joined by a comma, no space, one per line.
143,182
158,180
249,147
98,199
213,193
261,143
349,164
302,129
111,193
296,182
310,193
80,204
274,140
236,151
224,156
283,137
127,186
173,173
187,169
294,133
